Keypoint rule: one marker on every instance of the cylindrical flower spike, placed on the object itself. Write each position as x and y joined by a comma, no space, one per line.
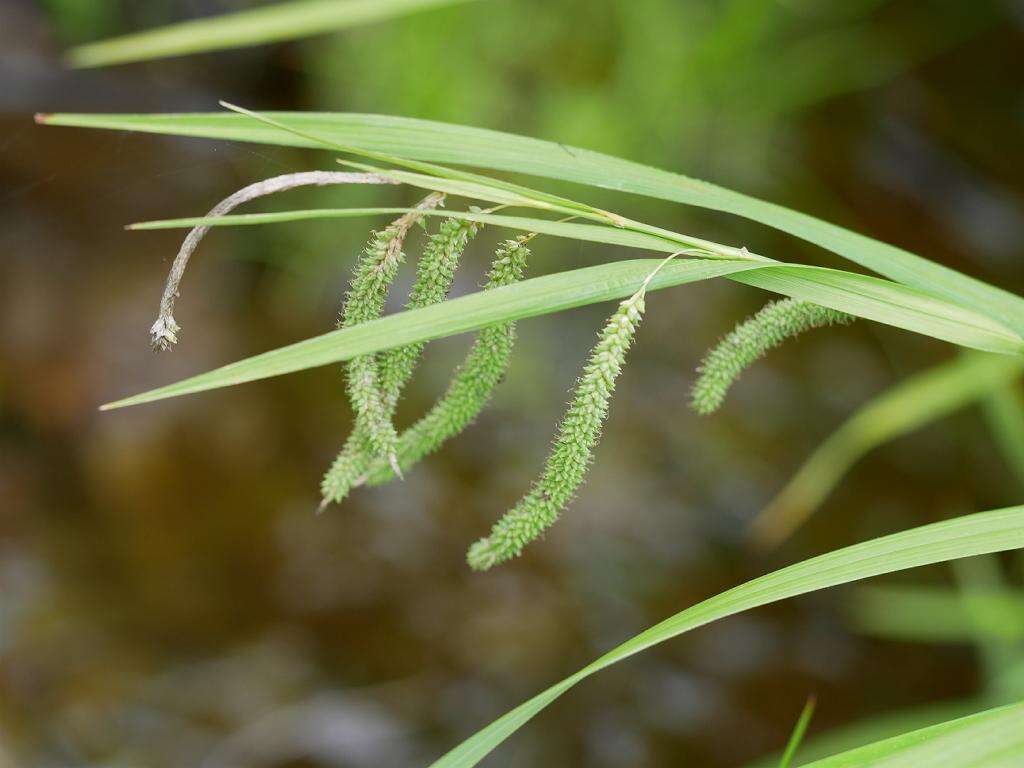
750,340
374,274
474,381
577,435
434,276
435,273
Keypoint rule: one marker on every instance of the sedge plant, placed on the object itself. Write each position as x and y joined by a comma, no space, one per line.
906,291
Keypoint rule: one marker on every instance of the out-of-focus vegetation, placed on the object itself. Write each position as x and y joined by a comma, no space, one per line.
265,24
176,547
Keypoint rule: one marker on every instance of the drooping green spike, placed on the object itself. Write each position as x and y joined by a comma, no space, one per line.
474,381
578,434
750,340
393,368
374,273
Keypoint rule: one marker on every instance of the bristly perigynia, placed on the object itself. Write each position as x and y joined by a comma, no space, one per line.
374,273
578,433
474,381
435,273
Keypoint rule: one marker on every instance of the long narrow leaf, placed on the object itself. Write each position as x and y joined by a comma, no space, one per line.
587,232
866,296
280,21
424,174
529,298
462,145
990,739
976,534
885,302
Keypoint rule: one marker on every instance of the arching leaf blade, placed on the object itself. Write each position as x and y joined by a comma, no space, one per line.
528,298
990,739
889,303
575,288
446,143
976,534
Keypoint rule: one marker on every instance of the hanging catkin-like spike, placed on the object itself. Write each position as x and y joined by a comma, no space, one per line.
374,274
475,379
577,435
434,276
750,340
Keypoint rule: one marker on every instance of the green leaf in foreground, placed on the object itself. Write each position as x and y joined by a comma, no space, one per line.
529,298
990,739
273,23
909,405
861,295
461,145
976,534
881,726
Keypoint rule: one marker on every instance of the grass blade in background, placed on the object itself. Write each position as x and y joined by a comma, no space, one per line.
460,145
272,23
976,534
1004,411
998,644
990,739
909,405
798,734
936,614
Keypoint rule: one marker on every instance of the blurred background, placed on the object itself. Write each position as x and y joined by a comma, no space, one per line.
168,595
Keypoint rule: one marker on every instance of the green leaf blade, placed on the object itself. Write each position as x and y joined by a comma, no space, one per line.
889,303
987,739
529,298
981,533
574,231
461,145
